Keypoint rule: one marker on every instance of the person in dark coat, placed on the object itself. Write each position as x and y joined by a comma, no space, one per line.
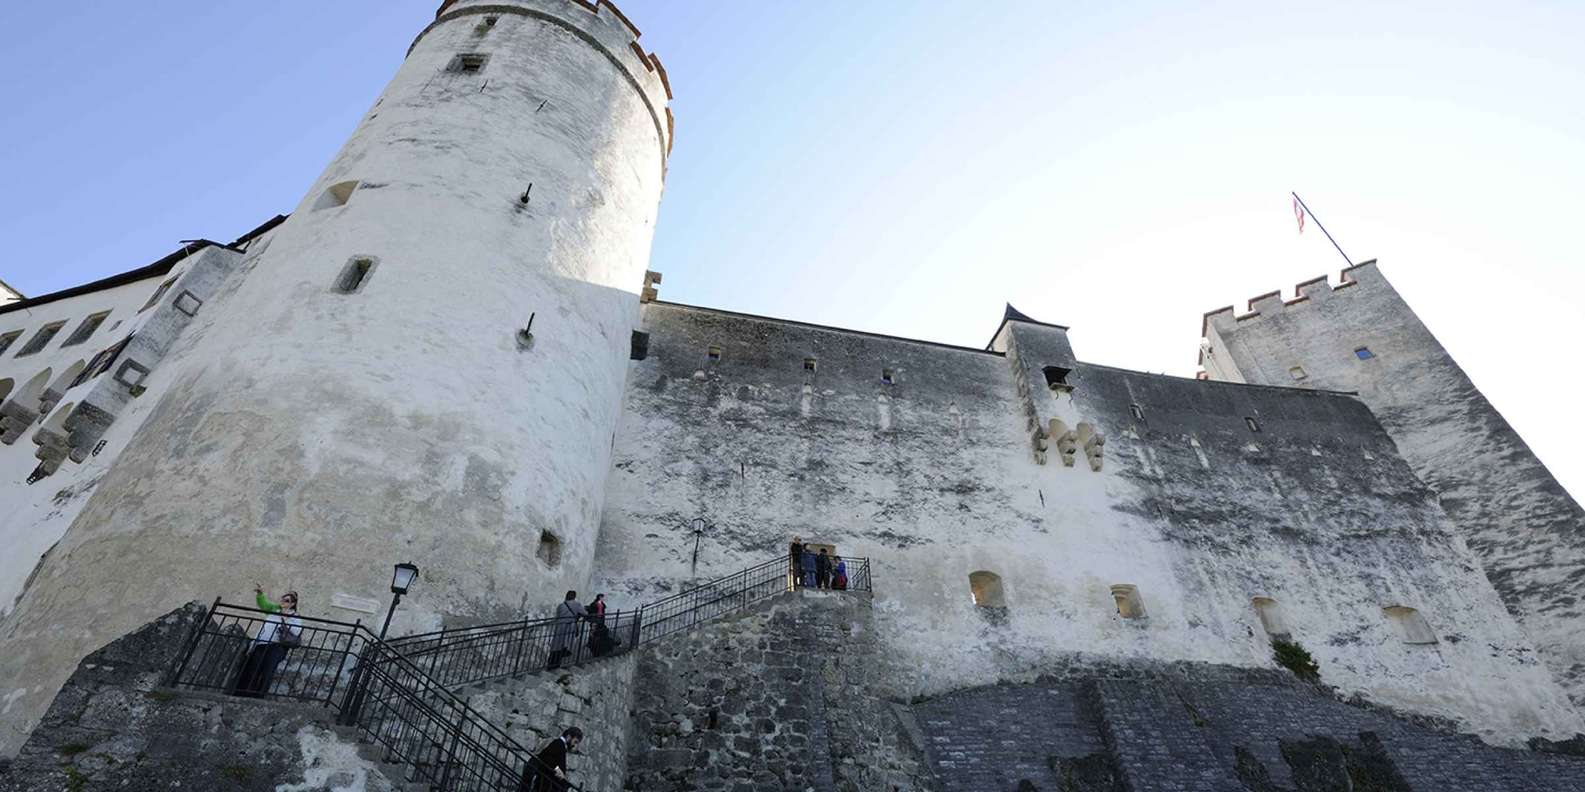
809,566
549,772
795,560
823,569
601,641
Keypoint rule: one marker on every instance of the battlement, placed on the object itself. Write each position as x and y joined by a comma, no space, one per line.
600,23
1316,289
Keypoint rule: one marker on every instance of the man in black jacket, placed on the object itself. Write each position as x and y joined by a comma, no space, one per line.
549,772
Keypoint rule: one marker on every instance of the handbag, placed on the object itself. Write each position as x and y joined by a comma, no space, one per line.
285,637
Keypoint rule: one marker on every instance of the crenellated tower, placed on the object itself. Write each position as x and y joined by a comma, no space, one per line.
1361,336
426,362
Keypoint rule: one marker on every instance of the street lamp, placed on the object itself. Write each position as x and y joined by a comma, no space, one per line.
699,526
400,581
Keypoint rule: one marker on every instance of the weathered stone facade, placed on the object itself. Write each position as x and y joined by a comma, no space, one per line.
791,696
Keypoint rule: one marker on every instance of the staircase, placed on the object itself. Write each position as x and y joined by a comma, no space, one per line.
404,701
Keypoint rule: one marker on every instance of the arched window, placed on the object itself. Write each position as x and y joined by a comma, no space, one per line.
549,549
987,589
1412,627
57,420
1271,617
65,381
28,395
1129,604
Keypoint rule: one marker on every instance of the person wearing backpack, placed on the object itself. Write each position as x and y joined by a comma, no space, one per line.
280,632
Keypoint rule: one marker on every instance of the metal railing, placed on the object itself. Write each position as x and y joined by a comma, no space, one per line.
415,719
400,693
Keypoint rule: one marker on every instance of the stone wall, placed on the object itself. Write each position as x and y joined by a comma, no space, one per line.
1520,522
790,695
113,726
596,698
1207,496
1195,728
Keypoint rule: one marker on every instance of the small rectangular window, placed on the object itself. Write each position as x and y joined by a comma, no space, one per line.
86,329
810,364
469,63
158,293
1297,372
8,339
41,339
888,377
355,274
713,353
483,28
1364,353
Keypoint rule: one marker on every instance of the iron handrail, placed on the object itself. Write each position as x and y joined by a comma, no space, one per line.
388,697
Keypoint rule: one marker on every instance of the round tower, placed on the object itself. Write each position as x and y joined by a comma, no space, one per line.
369,391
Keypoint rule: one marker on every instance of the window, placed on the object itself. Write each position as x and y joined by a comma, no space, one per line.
86,329
1271,617
1138,411
1056,376
986,588
810,363
1297,372
549,549
355,274
888,376
468,63
1254,425
1412,627
1129,603
336,195
483,28
1364,353
713,353
41,339
638,349
8,339
158,293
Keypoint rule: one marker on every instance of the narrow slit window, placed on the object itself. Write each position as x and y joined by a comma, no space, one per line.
86,329
639,348
1254,425
355,274
1138,411
41,339
484,26
888,377
1364,353
8,339
810,364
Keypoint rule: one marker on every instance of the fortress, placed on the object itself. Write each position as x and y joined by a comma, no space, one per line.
452,352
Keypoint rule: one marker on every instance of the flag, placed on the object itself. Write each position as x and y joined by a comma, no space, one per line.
1298,211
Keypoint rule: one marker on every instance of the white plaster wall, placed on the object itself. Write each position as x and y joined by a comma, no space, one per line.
1522,525
311,439
33,517
949,486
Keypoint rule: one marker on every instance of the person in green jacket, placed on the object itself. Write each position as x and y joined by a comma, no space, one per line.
279,633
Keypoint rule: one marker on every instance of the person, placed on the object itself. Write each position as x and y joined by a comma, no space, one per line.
601,642
839,574
823,569
280,631
567,615
548,773
808,567
795,560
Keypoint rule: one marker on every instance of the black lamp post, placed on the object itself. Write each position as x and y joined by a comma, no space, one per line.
699,526
400,581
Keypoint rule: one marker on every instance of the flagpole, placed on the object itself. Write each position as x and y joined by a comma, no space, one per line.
1323,229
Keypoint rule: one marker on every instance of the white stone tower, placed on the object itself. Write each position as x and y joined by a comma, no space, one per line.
1361,336
361,394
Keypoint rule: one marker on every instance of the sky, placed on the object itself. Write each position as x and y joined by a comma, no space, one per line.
909,167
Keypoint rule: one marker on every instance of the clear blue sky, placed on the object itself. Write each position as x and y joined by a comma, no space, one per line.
908,167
